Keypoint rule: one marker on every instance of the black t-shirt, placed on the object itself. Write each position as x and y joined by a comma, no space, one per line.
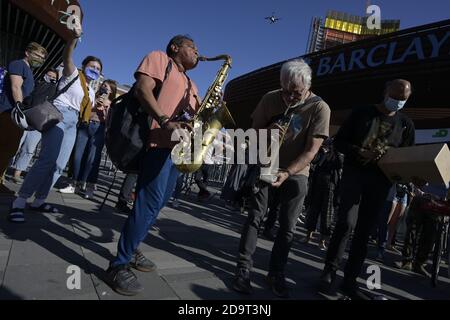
43,91
18,68
368,128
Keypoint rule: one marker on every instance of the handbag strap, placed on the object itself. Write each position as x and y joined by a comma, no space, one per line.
63,90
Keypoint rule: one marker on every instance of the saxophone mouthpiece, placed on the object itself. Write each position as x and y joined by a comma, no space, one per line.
219,57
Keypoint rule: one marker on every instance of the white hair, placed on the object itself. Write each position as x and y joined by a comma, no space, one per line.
295,72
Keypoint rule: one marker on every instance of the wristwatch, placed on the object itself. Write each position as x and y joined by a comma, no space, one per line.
163,120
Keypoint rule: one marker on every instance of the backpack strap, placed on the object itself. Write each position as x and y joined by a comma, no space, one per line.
63,90
166,75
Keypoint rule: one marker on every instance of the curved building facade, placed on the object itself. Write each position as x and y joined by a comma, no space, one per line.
354,74
41,21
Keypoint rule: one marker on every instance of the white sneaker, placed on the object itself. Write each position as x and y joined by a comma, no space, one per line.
67,190
175,203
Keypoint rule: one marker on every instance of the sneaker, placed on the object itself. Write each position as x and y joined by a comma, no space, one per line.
17,180
242,282
419,268
394,249
353,293
123,207
278,285
124,281
175,203
89,193
16,215
5,191
141,263
67,190
323,245
404,265
301,219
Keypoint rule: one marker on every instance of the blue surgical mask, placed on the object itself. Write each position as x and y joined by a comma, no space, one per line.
92,73
394,105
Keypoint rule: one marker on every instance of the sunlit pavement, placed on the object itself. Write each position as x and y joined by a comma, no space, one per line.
194,246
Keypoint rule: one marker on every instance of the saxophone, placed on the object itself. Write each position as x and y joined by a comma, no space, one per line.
269,174
211,117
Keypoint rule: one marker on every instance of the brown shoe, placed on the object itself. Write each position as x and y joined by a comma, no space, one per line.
5,191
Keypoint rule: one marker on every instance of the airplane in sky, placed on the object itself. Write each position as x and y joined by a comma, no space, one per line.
272,19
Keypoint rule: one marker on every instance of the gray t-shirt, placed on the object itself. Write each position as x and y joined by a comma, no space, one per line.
309,121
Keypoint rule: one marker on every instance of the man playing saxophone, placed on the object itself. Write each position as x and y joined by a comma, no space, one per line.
165,91
308,126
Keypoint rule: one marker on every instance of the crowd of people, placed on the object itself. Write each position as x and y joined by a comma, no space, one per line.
334,180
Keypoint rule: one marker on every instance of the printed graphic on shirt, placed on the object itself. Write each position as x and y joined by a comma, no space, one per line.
296,127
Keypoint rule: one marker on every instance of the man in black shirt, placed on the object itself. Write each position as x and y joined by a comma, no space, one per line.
364,138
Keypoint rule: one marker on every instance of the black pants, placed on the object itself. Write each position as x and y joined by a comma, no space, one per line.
363,193
274,208
201,179
292,195
421,232
322,205
127,188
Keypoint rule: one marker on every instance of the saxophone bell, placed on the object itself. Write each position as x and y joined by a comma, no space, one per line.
211,117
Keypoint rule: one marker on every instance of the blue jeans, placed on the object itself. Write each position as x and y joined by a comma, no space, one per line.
155,186
88,151
28,146
56,146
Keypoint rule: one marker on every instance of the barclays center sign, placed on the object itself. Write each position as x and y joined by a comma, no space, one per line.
398,51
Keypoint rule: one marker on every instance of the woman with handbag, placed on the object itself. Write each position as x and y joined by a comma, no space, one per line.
74,104
89,143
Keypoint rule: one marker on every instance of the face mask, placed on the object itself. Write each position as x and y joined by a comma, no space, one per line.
92,73
35,63
102,91
394,105
49,80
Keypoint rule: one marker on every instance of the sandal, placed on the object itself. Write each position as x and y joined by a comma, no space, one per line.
45,208
16,215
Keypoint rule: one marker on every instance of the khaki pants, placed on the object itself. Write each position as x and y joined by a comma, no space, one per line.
10,136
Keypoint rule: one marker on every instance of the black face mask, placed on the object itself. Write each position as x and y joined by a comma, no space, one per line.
49,80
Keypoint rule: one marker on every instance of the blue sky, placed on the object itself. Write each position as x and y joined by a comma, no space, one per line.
121,33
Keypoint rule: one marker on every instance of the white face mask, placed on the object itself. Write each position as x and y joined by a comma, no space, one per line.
394,105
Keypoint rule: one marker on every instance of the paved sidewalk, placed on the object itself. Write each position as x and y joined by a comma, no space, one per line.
194,247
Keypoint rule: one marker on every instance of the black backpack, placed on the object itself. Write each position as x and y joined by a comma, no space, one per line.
127,130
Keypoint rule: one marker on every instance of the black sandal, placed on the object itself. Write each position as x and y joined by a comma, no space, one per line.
16,215
45,208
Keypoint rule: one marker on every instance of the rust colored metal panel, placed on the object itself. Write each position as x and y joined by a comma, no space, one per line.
49,12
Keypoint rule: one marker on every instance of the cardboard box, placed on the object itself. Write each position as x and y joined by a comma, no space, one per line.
427,162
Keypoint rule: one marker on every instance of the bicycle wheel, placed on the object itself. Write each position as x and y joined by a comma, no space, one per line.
436,260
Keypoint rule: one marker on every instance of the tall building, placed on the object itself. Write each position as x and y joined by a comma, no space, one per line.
338,28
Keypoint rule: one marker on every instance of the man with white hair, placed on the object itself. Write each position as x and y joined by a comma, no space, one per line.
308,128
